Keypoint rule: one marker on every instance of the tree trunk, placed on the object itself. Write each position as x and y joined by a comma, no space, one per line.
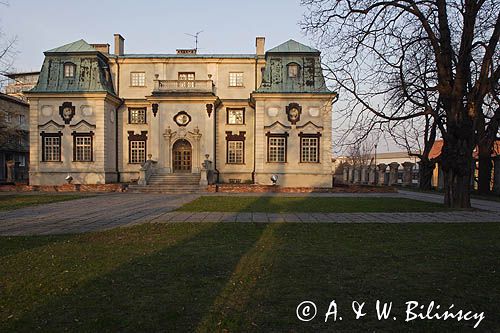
484,167
425,172
456,157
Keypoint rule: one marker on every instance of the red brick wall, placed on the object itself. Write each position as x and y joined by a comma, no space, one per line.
239,188
65,188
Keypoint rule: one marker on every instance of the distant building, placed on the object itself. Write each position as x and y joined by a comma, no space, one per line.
20,83
14,139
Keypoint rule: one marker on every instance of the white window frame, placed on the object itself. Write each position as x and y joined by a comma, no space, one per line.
138,79
69,70
293,70
309,150
137,151
276,149
8,117
235,152
137,115
231,117
52,148
236,79
186,79
83,148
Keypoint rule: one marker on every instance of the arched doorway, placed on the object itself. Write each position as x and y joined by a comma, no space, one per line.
182,156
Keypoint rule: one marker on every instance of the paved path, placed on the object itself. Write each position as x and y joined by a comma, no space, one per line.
104,211
107,211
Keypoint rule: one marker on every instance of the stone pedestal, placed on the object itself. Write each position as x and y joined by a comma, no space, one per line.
364,179
496,175
350,174
381,173
408,173
345,173
356,175
10,171
393,173
371,175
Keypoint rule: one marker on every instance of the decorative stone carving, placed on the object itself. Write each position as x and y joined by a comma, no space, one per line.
381,173
345,173
293,111
182,133
86,110
393,173
272,111
210,108
314,111
356,175
372,169
408,173
47,110
364,179
154,109
67,112
182,118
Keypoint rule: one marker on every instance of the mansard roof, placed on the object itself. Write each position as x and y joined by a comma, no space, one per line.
91,73
78,46
292,46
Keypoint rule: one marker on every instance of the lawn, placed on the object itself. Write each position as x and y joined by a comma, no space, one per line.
271,204
15,201
211,277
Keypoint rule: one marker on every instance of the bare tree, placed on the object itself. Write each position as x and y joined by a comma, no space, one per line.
369,41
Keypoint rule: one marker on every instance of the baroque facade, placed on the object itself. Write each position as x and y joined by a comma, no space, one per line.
97,116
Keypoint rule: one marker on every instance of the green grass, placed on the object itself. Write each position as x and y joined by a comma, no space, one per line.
15,201
270,204
212,277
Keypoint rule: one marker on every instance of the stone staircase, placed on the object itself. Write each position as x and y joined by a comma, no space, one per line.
170,183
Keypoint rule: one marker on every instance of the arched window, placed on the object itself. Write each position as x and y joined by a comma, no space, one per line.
293,70
69,69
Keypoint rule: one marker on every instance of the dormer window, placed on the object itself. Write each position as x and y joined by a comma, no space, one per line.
293,70
69,70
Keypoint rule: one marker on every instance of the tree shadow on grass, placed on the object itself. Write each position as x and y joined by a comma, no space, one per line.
168,290
12,245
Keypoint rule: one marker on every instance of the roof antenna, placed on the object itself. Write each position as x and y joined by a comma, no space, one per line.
195,39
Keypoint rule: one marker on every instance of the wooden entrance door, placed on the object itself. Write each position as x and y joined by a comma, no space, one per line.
182,156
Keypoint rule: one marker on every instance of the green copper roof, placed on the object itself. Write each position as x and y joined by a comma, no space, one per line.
78,46
292,46
306,76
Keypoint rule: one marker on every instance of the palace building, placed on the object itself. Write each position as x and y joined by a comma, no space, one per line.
99,117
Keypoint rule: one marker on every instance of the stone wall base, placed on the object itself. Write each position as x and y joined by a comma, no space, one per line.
65,188
251,188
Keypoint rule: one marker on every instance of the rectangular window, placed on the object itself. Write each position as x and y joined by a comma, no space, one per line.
186,80
138,79
276,149
309,148
137,115
69,70
22,119
137,152
51,149
236,79
236,116
82,148
8,117
235,152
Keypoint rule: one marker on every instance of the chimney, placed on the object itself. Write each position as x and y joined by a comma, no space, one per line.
119,44
103,48
260,45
